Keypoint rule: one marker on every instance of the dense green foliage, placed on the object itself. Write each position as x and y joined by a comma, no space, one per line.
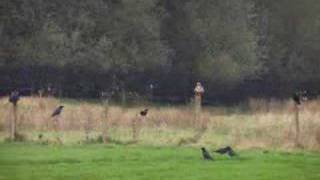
251,47
27,161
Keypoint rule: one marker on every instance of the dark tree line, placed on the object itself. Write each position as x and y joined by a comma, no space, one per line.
236,48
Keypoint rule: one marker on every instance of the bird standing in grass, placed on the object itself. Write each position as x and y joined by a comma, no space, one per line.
226,150
40,136
205,154
144,112
57,111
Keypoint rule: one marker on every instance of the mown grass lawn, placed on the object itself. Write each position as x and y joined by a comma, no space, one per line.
32,161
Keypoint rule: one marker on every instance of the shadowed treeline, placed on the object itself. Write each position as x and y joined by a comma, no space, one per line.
237,49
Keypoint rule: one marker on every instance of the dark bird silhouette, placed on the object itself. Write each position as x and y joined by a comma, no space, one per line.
296,98
300,96
226,150
144,112
205,154
40,136
57,111
14,97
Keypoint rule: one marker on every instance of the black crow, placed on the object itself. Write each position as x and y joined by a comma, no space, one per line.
226,150
296,98
14,97
144,112
205,154
57,111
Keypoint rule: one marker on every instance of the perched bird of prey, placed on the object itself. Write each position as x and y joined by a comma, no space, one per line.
57,111
205,154
144,112
226,150
14,97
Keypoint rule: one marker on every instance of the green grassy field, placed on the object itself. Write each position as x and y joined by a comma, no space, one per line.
97,161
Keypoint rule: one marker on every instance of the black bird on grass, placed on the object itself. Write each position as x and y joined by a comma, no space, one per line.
205,154
14,97
57,111
226,150
144,112
40,136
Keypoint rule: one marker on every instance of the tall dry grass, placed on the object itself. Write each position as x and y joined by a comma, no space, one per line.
265,124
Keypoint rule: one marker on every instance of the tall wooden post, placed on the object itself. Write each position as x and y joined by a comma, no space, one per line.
198,92
44,124
297,123
123,94
13,127
105,123
56,127
136,126
150,92
135,129
14,98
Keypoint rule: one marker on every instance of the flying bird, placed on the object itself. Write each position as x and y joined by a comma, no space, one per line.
226,150
57,111
144,112
205,154
14,97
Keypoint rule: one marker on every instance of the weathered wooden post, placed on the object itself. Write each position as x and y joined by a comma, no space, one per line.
123,97
150,92
135,129
45,123
88,122
123,94
137,123
298,97
105,126
297,124
57,123
198,92
14,98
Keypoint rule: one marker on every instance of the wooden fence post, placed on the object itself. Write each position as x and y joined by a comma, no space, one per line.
13,127
135,130
198,92
57,129
297,123
14,98
105,96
